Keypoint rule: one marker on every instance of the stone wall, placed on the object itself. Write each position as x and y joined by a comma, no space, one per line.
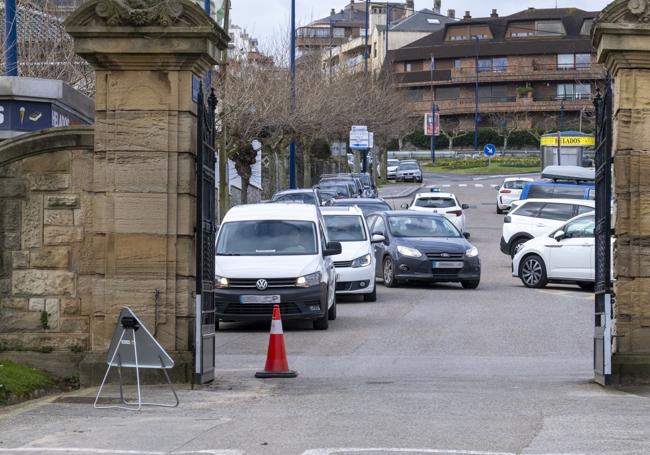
45,179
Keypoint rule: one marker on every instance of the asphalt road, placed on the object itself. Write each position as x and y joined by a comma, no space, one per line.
425,369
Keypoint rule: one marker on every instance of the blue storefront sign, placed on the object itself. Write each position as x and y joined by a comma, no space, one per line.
32,116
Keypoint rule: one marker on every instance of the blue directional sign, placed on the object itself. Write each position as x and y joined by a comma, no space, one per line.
490,150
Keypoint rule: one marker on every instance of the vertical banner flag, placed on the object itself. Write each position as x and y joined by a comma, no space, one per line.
432,124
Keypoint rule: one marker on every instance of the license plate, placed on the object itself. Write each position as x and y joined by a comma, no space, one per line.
447,265
259,299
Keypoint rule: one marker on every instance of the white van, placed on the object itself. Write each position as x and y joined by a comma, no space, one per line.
275,254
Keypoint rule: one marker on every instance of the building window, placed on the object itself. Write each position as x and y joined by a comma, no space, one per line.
338,32
496,64
480,36
549,28
447,93
574,91
573,61
586,27
458,38
521,34
457,63
407,67
374,50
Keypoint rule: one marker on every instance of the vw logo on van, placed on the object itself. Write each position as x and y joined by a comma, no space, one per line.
445,255
262,284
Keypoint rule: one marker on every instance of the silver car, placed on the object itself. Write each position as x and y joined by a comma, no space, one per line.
409,170
391,168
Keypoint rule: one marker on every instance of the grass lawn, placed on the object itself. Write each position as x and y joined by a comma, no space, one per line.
20,381
494,169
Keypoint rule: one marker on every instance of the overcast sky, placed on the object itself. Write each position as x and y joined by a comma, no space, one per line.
265,18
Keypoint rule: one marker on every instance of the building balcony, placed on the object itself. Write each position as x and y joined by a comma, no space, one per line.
525,73
505,104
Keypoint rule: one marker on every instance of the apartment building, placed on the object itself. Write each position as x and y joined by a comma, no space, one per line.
345,25
384,34
535,67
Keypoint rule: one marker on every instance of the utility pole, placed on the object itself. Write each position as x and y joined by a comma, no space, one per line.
386,32
432,65
11,39
223,145
292,147
365,50
476,114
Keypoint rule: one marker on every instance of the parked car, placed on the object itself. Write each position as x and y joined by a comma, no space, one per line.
366,205
391,168
425,247
566,255
342,189
356,263
509,191
328,196
556,190
275,254
369,187
344,178
306,196
535,217
446,204
409,170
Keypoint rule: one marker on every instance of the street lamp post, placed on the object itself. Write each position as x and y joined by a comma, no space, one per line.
11,39
292,147
562,115
365,50
434,110
476,113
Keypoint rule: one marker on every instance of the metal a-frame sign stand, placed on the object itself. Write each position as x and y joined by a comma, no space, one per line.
133,346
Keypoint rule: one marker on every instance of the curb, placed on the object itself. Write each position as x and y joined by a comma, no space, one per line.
408,193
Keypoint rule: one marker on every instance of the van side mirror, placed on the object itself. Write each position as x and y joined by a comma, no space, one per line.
559,235
465,206
332,249
467,235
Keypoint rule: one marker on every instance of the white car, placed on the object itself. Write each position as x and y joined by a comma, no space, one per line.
356,263
509,191
565,255
446,204
391,168
535,217
275,254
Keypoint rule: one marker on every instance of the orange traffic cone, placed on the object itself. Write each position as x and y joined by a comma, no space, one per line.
276,357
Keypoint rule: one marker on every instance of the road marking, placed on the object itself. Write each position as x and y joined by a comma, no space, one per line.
494,185
446,186
438,451
462,185
478,185
116,451
570,294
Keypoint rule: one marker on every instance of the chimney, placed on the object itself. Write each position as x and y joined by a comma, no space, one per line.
410,8
333,12
494,13
451,13
467,16
436,6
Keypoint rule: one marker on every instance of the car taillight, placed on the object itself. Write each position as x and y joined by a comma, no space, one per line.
505,191
456,212
507,219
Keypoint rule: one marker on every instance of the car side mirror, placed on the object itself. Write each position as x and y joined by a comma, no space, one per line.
332,249
559,235
404,206
497,188
464,206
378,238
467,235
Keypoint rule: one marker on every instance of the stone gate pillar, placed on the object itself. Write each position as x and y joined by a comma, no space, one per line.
141,251
622,39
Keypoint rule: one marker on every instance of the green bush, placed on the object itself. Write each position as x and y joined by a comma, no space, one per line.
20,380
473,163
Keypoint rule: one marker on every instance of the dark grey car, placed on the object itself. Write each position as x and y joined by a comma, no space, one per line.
423,247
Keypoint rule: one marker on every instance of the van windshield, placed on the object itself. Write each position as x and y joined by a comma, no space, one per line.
267,238
345,228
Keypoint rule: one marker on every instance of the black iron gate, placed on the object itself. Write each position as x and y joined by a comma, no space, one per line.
603,232
205,238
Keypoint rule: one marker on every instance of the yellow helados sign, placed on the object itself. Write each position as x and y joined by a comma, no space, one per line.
568,141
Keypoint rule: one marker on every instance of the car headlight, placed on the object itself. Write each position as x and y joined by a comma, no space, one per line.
407,251
472,252
363,261
307,281
221,282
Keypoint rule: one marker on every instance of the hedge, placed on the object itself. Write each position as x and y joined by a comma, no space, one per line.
519,139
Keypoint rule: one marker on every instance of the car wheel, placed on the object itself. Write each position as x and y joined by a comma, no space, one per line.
586,285
470,284
532,272
216,324
331,313
323,322
516,245
499,211
389,273
372,297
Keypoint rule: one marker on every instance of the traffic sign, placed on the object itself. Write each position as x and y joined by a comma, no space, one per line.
490,150
338,148
359,139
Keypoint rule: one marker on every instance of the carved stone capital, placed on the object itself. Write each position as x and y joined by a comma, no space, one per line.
640,9
139,12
